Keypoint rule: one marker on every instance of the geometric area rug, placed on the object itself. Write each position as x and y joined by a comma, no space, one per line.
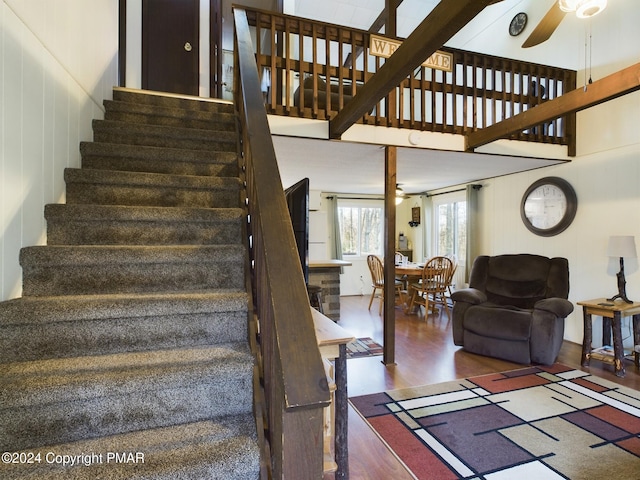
363,347
542,422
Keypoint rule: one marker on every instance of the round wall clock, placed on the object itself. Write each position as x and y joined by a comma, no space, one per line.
549,206
517,24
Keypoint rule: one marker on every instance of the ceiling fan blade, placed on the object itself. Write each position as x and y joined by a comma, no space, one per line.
546,27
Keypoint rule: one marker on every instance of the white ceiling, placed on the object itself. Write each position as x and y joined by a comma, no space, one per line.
342,167
345,167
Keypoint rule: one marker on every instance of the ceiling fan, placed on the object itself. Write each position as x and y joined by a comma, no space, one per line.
549,23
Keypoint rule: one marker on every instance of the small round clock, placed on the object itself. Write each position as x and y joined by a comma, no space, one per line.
517,24
549,206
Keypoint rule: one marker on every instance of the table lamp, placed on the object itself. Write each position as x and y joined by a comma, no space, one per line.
621,246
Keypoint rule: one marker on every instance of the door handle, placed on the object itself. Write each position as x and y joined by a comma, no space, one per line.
188,47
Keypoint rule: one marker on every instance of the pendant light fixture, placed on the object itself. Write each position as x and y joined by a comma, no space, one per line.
399,194
583,8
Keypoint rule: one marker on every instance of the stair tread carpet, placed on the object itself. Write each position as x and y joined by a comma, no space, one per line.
141,158
172,101
89,269
44,381
33,328
51,309
202,134
98,213
81,175
77,224
68,399
180,452
128,254
158,115
160,136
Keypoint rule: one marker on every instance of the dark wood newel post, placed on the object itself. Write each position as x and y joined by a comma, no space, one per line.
390,180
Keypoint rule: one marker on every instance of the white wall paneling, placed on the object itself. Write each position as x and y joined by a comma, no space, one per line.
58,63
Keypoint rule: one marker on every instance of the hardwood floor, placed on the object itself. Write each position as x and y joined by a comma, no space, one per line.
425,354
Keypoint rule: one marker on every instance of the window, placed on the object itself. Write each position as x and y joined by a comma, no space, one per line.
451,229
361,227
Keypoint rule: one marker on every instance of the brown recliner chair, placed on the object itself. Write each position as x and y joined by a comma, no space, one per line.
514,308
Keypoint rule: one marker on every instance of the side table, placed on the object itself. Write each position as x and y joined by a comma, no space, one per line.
612,313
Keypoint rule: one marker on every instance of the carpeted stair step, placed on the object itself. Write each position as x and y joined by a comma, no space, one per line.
169,117
184,102
107,187
86,270
109,131
63,400
33,328
69,224
222,449
137,158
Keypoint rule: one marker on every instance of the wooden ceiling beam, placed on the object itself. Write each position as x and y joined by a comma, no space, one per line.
613,86
375,27
444,21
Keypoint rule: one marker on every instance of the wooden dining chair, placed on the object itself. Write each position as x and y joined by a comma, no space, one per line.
430,290
377,281
452,275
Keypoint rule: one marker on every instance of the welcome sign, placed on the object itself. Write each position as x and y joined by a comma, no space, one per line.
384,47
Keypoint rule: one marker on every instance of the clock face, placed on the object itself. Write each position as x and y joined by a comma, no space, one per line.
517,24
545,206
548,206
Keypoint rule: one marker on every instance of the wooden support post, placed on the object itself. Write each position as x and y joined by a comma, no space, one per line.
391,7
342,413
389,322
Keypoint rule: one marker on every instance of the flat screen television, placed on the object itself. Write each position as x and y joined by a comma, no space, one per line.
297,196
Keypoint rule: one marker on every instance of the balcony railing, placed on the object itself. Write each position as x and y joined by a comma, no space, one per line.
332,62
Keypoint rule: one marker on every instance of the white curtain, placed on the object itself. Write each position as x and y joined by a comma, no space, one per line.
473,233
427,230
336,244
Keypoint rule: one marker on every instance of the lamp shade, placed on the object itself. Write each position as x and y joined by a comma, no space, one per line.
622,246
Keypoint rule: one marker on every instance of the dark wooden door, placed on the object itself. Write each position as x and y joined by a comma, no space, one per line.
170,38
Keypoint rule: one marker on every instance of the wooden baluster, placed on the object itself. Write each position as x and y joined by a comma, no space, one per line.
502,93
474,95
276,73
484,92
454,96
432,87
288,103
465,93
400,107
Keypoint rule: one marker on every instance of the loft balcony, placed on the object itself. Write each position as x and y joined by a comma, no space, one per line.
312,70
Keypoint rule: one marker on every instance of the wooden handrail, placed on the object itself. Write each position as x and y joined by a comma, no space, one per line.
295,385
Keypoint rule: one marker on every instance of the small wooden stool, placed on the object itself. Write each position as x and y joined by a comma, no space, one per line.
315,297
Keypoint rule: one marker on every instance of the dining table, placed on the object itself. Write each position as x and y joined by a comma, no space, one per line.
408,273
409,269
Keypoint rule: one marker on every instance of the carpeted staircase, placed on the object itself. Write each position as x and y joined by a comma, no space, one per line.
131,335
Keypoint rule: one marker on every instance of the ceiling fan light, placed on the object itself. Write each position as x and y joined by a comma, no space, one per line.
568,5
589,8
